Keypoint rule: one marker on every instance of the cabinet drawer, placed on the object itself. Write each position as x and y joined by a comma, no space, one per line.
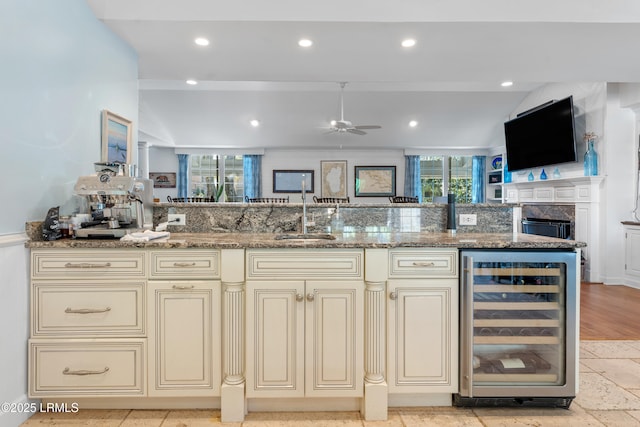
83,368
91,264
96,309
186,263
305,264
423,263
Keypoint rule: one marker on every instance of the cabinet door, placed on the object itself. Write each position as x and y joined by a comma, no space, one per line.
422,335
275,338
334,338
632,263
184,319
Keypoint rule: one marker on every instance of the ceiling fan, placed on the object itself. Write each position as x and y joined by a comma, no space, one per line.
343,125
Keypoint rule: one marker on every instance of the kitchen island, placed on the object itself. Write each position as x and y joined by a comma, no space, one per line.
248,321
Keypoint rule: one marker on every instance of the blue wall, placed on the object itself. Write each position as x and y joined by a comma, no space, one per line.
60,67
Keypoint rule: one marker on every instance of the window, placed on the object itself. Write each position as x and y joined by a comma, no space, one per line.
437,180
208,171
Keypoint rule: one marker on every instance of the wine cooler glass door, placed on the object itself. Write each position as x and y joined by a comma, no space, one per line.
522,336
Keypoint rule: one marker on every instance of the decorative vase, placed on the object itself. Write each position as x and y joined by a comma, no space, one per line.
556,173
543,174
590,157
530,177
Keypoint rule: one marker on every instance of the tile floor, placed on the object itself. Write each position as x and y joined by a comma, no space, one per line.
609,396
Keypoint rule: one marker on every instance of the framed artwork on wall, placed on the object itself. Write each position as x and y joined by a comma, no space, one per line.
290,181
375,181
116,138
163,179
333,175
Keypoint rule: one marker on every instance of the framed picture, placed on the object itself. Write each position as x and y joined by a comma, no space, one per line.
163,179
116,138
375,181
290,181
333,175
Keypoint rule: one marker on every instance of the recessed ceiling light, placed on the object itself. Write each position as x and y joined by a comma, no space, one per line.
191,82
506,84
408,43
333,122
201,41
255,123
305,43
413,123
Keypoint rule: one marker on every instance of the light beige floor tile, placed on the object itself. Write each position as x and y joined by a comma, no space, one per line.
145,418
599,393
547,417
634,414
319,419
635,344
615,418
393,420
586,354
192,418
84,417
439,416
624,372
635,391
584,368
612,349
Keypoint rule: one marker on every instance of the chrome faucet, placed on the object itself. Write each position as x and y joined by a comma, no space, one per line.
304,207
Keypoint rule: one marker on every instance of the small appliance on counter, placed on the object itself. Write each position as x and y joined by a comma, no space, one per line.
118,204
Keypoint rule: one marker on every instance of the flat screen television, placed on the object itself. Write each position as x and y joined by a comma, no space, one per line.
542,136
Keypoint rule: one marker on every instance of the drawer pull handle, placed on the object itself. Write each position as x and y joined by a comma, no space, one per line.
86,310
299,297
68,371
184,264
424,264
310,297
182,287
393,296
87,265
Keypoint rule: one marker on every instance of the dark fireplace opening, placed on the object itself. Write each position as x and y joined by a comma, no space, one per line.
554,220
547,227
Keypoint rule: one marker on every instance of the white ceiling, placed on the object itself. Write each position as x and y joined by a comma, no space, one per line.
449,82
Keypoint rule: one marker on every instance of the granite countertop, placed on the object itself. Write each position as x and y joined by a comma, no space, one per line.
348,240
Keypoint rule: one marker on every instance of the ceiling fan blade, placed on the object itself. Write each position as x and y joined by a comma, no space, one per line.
368,127
356,131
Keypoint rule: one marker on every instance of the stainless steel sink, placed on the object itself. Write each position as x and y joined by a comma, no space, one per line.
306,236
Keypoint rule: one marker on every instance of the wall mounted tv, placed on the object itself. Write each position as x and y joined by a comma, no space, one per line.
542,136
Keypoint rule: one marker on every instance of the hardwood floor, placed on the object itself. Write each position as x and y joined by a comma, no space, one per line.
609,312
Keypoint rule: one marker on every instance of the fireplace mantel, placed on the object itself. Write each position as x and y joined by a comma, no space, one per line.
584,193
583,189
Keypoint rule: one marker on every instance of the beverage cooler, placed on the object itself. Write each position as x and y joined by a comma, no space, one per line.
518,328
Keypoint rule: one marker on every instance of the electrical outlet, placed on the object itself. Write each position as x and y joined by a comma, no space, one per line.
177,219
468,219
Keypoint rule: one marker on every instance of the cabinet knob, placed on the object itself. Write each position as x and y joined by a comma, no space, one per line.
299,297
310,297
393,296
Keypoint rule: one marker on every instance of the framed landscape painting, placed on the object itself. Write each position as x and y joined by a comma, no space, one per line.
375,181
116,138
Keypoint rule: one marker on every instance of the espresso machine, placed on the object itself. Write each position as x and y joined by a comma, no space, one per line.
118,204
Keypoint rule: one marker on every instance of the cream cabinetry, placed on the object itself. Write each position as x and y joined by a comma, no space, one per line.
88,329
305,314
184,323
422,321
125,322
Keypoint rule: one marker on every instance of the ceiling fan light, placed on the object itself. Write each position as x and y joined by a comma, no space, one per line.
408,42
305,43
201,41
333,122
